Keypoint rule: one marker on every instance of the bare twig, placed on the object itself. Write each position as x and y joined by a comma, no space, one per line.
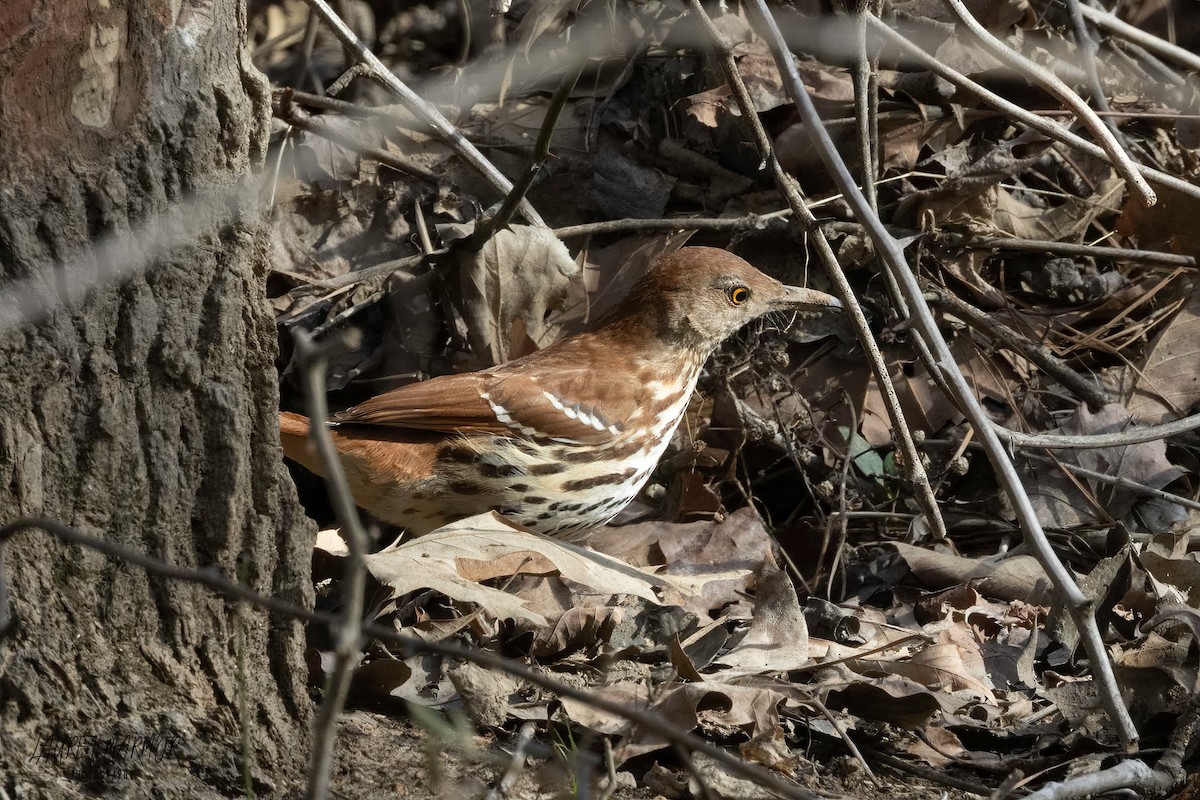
399,118
892,254
541,151
342,317
515,764
866,100
1132,774
1140,37
1041,124
1100,477
866,114
289,113
348,641
914,470
304,61
447,132
1072,249
939,776
1118,480
1055,441
422,228
1093,394
610,765
1030,245
1053,84
1164,115
355,70
1089,47
845,737
385,268
731,224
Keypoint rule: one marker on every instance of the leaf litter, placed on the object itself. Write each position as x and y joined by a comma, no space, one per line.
957,660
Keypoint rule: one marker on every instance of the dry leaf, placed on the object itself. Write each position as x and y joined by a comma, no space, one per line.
1169,380
507,288
778,637
893,699
437,561
1015,578
1058,499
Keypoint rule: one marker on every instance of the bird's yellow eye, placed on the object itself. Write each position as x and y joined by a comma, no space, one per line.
739,295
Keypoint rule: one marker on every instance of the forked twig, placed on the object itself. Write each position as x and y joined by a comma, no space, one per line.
1140,37
1053,84
1038,123
348,631
914,469
447,132
892,254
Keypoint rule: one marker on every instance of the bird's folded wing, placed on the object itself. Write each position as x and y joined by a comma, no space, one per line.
506,404
446,403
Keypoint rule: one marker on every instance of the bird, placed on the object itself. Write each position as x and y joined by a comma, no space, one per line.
562,439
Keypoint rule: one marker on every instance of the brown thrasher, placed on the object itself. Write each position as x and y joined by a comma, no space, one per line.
562,439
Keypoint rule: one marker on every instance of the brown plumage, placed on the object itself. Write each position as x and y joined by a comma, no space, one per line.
561,439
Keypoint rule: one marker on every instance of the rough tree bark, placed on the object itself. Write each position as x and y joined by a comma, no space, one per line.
144,414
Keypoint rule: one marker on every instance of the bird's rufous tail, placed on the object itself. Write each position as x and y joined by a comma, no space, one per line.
293,435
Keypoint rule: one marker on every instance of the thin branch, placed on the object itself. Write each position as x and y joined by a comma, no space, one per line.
1117,480
846,739
356,70
411,645
610,763
385,268
1054,441
723,224
1091,393
291,114
304,62
1089,47
1070,249
541,151
1164,115
400,119
441,126
1131,774
939,776
892,254
515,765
866,99
866,115
1053,84
1038,123
977,242
913,467
1140,37
1100,477
348,641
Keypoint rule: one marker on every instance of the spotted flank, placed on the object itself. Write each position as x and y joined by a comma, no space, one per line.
563,488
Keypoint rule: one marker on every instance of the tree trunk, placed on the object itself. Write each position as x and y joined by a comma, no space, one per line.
143,414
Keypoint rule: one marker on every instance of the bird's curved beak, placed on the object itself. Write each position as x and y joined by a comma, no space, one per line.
796,298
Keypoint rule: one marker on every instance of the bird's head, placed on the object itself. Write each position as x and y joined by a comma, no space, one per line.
699,296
